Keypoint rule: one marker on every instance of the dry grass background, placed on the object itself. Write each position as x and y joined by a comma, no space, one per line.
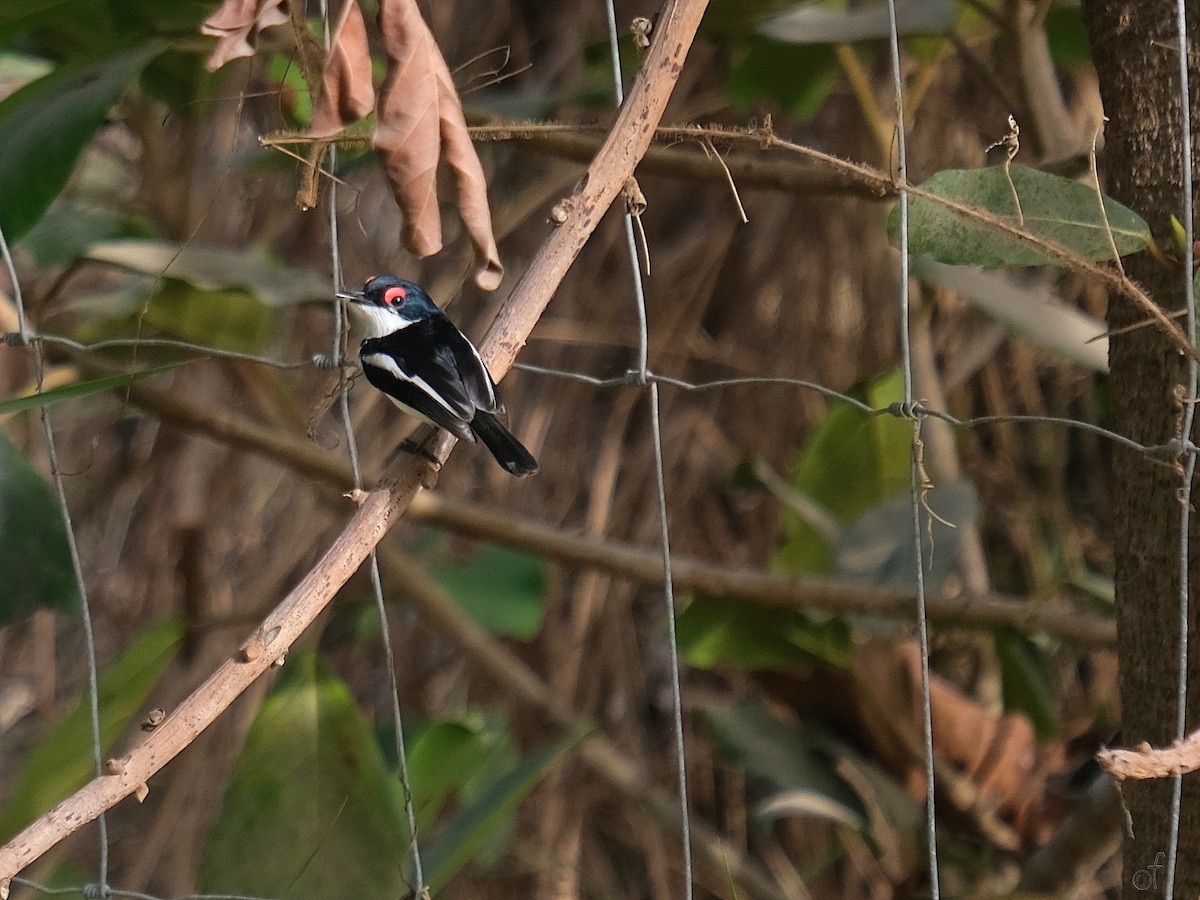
173,523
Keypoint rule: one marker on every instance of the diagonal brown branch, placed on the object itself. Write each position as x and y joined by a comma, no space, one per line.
612,167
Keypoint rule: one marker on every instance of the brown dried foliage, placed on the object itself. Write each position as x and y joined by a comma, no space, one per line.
236,26
418,118
418,122
347,93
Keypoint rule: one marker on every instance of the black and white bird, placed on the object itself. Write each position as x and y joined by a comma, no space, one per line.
428,368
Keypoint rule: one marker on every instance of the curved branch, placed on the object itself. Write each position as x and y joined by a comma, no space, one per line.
613,165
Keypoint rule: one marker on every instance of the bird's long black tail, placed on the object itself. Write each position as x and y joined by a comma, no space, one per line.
509,452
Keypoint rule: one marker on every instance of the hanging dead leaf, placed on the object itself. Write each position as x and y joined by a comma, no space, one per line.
418,117
406,128
347,93
470,184
236,25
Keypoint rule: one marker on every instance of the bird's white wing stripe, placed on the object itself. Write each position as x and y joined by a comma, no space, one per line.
385,362
487,378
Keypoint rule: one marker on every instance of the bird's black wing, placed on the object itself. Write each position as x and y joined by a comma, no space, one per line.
429,368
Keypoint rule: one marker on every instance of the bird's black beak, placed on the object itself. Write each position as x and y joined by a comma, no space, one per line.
352,296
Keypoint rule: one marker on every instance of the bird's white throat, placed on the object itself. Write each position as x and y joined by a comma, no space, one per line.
377,321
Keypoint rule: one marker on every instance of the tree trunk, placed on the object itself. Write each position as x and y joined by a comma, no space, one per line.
1133,44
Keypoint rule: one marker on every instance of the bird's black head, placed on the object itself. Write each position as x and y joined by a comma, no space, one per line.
385,297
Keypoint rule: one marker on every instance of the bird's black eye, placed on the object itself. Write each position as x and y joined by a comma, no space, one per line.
394,296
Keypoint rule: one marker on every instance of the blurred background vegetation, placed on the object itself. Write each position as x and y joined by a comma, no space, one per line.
140,204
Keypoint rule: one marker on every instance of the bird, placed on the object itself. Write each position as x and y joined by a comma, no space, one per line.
427,367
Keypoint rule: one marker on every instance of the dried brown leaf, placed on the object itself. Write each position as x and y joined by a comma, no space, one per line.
407,123
236,25
419,117
347,93
470,184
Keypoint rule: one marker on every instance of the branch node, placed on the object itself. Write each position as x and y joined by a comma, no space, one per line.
115,766
561,211
252,649
641,29
141,792
153,719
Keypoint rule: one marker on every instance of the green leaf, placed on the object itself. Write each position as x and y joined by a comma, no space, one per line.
68,18
1056,209
68,227
35,561
216,268
45,125
879,547
80,389
792,761
852,462
489,817
1024,682
294,99
500,589
1067,36
797,78
62,762
313,810
443,758
715,631
228,319
814,23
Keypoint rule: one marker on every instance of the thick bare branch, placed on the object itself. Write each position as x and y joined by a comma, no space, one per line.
381,506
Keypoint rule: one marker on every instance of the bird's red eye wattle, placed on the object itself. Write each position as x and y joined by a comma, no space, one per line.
394,295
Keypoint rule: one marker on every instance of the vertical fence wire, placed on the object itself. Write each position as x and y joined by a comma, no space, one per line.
337,355
661,485
914,465
1189,413
85,611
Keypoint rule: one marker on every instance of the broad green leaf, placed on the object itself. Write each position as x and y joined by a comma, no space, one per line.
45,125
880,549
716,631
62,762
1067,36
80,389
294,98
794,763
68,228
216,268
35,561
853,461
1057,209
1031,309
726,19
68,19
230,319
798,78
443,757
313,810
500,589
1023,679
815,23
489,818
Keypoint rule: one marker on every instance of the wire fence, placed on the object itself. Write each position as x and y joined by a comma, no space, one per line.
642,378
